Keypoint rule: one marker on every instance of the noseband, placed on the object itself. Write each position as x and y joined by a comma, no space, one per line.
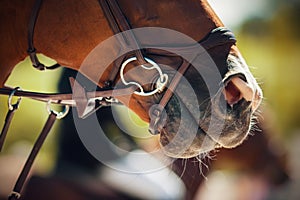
108,95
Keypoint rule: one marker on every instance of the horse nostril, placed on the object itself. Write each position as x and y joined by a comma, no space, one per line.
236,89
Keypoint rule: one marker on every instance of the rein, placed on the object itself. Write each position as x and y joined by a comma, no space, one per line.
84,101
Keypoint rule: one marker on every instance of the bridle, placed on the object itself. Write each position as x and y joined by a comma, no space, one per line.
109,95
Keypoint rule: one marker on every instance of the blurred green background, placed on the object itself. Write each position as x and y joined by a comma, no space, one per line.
269,39
272,46
31,116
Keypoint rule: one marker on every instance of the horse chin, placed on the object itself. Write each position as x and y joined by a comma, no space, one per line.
182,137
183,149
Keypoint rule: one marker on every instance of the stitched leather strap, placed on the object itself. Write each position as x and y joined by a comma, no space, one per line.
36,148
31,49
67,98
157,113
9,116
7,122
120,25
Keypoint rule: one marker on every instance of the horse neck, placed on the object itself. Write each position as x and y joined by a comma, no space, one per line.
14,16
65,32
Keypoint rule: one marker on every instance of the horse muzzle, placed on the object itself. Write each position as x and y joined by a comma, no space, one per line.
225,122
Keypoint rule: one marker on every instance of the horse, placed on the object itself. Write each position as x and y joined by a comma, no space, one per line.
209,103
86,20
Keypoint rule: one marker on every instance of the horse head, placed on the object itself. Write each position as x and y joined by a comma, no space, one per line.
213,105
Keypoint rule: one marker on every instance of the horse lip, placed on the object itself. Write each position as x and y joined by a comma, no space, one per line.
233,136
189,152
258,96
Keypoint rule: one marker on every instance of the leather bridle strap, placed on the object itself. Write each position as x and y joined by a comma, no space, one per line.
8,119
119,25
36,148
31,49
9,116
156,112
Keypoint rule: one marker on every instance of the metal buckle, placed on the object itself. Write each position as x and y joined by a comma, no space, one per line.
14,195
59,115
160,83
16,105
158,117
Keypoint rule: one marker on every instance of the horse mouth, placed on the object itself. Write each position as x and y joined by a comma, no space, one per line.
184,137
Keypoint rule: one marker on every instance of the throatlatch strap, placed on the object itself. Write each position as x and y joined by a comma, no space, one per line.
37,146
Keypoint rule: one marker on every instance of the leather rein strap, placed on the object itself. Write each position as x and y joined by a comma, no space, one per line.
68,98
36,148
